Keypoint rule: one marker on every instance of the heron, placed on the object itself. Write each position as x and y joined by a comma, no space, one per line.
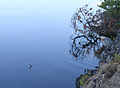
106,41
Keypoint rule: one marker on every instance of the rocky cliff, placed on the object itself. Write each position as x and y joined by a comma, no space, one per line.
108,75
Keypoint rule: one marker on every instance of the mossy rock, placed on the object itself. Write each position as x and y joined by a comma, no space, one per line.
116,58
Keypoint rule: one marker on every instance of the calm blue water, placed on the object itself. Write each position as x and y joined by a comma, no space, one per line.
37,32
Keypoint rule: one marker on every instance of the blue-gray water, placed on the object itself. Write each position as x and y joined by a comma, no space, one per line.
37,32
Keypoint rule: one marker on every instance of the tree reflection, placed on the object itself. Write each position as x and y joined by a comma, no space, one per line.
88,26
82,45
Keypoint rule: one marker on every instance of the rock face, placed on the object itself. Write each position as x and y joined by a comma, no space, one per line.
114,82
108,76
109,52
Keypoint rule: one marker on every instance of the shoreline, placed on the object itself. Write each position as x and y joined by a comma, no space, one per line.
108,74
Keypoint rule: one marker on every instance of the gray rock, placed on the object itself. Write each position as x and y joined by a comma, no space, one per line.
114,82
108,75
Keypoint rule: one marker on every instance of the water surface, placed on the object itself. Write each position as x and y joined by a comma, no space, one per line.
37,32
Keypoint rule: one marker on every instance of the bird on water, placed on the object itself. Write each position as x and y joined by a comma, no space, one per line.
30,66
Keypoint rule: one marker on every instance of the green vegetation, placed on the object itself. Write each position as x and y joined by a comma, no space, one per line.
112,10
105,23
83,79
116,58
113,39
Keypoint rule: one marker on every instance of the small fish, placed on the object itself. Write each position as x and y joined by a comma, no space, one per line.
30,66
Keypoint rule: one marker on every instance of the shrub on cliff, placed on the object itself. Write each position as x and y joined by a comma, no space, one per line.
103,22
116,58
112,8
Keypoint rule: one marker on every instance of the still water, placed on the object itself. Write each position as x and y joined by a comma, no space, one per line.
37,32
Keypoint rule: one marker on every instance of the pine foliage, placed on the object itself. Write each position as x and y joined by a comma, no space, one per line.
112,9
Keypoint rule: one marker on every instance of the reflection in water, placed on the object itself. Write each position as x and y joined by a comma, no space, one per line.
36,32
82,45
85,41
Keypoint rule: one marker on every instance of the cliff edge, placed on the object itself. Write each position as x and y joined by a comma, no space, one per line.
108,75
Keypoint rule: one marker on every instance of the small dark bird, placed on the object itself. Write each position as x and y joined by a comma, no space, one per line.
30,66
